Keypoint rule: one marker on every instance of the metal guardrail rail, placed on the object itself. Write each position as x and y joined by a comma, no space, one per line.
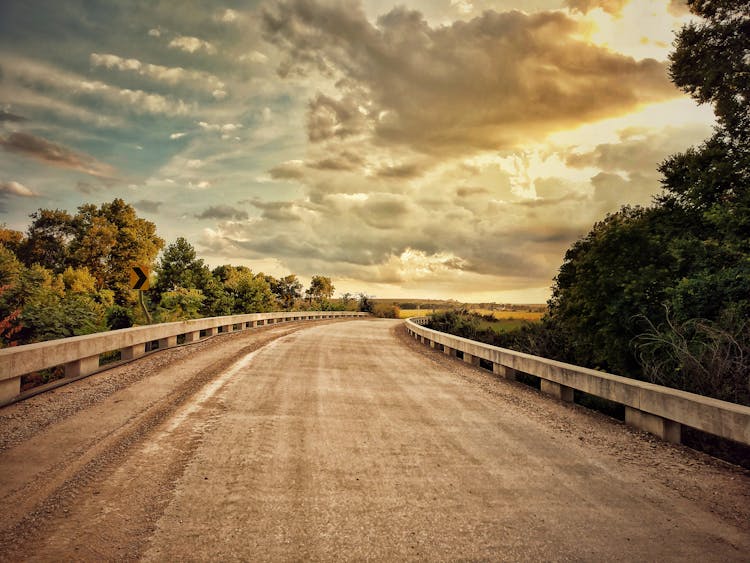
653,408
81,354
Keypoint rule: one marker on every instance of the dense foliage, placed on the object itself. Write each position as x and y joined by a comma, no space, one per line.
68,275
663,293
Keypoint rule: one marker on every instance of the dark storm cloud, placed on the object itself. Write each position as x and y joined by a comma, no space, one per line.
56,155
7,116
222,213
147,205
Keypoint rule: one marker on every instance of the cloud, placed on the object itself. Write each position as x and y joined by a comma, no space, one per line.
55,155
639,150
191,44
226,129
291,170
39,78
168,75
147,205
613,7
345,160
495,81
223,213
469,192
227,16
328,117
11,117
400,171
178,135
254,57
16,189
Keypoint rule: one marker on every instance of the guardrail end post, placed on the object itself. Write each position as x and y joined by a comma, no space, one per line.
663,428
10,389
562,392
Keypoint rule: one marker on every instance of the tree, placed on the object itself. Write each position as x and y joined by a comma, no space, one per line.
11,239
250,292
106,241
47,239
180,304
365,303
321,289
663,293
287,290
179,267
135,243
709,62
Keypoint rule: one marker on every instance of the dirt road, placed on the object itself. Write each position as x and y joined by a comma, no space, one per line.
345,441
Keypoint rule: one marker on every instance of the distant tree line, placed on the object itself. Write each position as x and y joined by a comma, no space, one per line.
662,293
68,275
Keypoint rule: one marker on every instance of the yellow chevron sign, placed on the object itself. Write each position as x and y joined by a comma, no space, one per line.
139,277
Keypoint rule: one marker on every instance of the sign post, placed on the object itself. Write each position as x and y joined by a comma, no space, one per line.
139,281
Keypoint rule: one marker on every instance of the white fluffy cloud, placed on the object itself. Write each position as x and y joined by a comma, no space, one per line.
192,44
168,75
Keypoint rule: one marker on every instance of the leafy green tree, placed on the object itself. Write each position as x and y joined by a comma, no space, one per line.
287,290
663,293
179,267
180,304
364,303
709,62
217,301
250,292
47,239
320,290
136,242
106,241
11,239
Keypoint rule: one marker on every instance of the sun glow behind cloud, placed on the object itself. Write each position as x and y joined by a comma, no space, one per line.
437,149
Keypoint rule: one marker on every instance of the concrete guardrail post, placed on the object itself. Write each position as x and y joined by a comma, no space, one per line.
558,391
133,352
83,366
668,430
192,336
471,359
504,371
167,342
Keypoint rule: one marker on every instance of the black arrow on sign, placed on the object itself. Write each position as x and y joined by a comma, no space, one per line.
142,278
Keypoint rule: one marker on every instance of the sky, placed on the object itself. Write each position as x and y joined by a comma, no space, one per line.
423,149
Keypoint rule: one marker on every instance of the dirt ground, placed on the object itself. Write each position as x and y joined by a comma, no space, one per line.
346,440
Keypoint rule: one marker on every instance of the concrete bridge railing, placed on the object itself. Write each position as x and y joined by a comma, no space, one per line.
653,408
81,354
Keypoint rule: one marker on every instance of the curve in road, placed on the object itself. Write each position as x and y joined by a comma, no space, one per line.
346,440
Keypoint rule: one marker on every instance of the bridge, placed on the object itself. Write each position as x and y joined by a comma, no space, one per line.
307,438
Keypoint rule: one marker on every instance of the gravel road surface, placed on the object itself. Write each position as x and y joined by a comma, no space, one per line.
346,440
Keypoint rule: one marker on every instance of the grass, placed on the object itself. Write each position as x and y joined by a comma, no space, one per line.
409,313
510,315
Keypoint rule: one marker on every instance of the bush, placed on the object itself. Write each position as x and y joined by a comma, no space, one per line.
386,311
119,317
